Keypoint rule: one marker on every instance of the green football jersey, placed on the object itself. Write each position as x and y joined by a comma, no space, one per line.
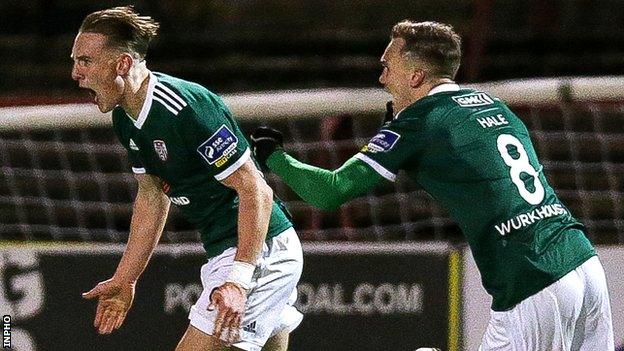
474,156
187,137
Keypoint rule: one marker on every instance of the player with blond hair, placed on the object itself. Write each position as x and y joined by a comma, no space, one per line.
472,154
185,147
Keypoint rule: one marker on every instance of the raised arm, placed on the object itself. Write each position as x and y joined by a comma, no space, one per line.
322,188
115,295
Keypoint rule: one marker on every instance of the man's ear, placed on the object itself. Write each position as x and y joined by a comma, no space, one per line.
124,64
417,78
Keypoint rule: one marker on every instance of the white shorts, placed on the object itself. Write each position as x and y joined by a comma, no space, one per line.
273,292
571,314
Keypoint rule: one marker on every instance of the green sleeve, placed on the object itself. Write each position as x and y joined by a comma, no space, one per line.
320,187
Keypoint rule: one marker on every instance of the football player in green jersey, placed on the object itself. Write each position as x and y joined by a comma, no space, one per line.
186,148
474,156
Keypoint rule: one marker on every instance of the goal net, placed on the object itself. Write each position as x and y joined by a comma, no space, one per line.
64,176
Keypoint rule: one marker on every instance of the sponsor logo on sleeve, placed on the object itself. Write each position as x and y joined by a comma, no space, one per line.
161,149
220,147
384,141
473,100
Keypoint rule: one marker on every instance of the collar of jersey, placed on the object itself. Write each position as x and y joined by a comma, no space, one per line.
442,88
147,104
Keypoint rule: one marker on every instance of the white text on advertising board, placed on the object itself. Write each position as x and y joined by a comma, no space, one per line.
181,296
365,299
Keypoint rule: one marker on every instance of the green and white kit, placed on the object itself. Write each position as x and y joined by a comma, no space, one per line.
474,157
186,136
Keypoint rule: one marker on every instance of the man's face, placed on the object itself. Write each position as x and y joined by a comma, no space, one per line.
95,69
396,75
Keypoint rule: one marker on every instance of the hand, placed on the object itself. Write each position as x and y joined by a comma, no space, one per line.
114,301
389,116
264,141
230,300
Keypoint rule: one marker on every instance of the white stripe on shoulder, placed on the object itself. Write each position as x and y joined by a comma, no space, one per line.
136,170
171,93
167,106
376,166
236,165
164,96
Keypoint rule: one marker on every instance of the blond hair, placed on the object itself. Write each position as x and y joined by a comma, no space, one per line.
432,43
124,28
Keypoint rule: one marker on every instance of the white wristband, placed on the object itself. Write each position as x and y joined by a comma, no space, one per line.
241,274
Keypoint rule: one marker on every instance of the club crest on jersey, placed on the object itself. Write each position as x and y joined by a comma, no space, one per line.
220,147
161,150
382,142
473,100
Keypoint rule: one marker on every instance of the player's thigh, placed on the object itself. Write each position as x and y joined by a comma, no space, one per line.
519,331
497,336
594,330
278,342
543,321
276,290
273,284
194,339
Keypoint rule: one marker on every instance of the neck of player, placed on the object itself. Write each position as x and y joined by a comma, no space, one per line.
136,83
417,93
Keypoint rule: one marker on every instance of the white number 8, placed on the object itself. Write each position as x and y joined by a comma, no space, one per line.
518,166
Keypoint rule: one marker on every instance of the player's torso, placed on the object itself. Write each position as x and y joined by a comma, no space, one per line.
479,163
163,145
162,149
191,142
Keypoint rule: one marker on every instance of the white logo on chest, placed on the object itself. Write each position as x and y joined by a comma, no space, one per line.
161,150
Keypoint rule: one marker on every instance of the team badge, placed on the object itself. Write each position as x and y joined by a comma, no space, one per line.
161,149
220,147
382,142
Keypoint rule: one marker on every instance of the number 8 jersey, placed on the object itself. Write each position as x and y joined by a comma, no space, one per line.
474,156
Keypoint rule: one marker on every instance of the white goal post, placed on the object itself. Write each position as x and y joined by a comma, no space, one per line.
274,105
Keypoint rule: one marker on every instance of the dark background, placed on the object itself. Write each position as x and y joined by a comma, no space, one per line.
276,44
74,184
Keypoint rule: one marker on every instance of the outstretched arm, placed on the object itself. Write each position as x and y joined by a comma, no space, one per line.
323,188
115,295
320,187
149,215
